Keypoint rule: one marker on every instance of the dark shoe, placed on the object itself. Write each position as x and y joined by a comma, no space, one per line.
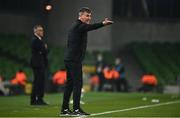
38,103
33,103
79,112
65,112
42,103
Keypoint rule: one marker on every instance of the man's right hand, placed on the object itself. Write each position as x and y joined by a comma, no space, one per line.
107,22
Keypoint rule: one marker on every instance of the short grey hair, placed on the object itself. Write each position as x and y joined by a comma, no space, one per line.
84,9
36,26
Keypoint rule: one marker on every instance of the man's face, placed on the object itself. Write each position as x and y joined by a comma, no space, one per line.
118,61
39,31
85,17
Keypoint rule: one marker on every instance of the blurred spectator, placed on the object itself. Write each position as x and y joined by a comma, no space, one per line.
3,90
149,82
94,82
107,75
100,60
20,78
60,77
17,83
121,82
110,74
99,70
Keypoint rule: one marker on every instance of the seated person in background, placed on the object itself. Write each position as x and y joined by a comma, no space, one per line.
94,82
121,82
18,82
3,90
20,78
149,82
99,70
60,77
111,75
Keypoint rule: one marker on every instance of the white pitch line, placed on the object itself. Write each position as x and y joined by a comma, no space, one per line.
135,108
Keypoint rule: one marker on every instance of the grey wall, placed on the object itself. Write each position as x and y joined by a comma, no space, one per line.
18,23
65,12
125,32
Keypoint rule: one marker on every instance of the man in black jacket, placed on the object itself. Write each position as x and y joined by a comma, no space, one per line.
76,48
39,64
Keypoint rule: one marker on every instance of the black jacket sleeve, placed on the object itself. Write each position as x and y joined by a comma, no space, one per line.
89,27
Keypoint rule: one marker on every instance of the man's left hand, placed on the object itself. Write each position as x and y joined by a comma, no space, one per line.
107,22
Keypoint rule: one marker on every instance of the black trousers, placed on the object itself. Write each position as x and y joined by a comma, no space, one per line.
38,84
73,84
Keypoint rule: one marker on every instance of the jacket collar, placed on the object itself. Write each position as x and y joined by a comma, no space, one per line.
40,38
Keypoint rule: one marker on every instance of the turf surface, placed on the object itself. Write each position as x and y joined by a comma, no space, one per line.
18,106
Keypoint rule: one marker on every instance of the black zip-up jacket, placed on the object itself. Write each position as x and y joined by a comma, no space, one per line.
77,40
39,53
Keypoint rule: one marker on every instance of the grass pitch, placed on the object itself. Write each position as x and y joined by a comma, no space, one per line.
98,104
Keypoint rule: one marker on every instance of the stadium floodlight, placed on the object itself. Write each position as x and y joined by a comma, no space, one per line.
48,7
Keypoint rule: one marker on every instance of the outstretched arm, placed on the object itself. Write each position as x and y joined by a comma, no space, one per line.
89,27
